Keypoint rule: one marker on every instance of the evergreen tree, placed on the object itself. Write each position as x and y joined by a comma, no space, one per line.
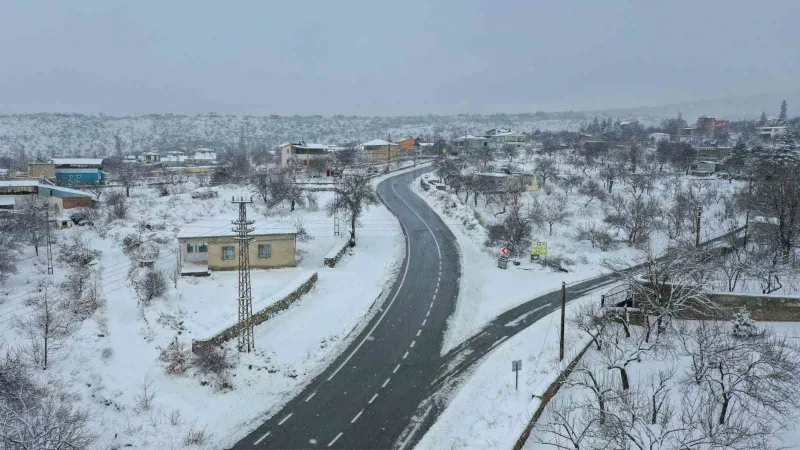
763,120
782,115
738,158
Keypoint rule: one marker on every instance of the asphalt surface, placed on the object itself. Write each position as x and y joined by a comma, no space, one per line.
367,396
382,391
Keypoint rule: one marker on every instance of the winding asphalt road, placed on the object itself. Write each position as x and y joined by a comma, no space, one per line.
367,397
382,391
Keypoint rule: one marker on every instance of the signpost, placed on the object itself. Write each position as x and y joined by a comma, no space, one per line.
502,262
516,366
538,250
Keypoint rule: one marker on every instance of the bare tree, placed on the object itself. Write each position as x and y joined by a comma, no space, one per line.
598,237
569,181
592,189
353,195
552,210
117,205
510,151
636,216
566,424
282,188
48,326
514,232
128,176
545,168
260,186
9,244
610,173
32,221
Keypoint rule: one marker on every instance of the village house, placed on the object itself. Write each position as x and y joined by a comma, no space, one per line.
149,158
301,153
203,155
499,137
14,192
470,142
771,132
205,246
378,150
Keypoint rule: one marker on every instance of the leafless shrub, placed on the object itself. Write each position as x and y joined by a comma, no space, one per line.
151,285
204,194
592,189
76,250
175,418
117,205
598,237
48,326
300,229
553,209
557,263
636,216
212,359
107,353
175,357
196,437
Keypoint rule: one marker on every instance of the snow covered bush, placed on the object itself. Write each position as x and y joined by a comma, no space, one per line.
77,251
175,357
212,359
117,205
743,325
152,284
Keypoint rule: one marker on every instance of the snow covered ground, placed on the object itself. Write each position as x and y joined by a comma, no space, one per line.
487,291
114,353
641,372
487,411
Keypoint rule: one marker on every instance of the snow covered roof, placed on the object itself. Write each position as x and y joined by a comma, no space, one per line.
426,144
311,146
77,161
7,200
377,142
34,183
150,153
19,183
223,228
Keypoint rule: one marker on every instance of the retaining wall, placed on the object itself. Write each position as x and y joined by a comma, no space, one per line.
260,316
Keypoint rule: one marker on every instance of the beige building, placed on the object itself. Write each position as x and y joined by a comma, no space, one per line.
378,150
215,247
39,170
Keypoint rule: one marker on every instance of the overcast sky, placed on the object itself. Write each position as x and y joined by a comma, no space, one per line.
372,57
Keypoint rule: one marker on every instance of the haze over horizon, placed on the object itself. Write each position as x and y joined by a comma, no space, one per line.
366,58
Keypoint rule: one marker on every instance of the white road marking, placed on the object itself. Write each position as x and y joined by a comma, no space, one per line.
423,322
499,341
416,427
524,316
335,439
372,399
428,313
396,368
357,416
262,438
405,355
312,441
412,344
385,383
311,396
396,293
285,419
419,331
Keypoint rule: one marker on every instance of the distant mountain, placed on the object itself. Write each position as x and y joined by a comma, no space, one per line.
747,107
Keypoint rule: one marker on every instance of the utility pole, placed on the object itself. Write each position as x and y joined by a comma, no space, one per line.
336,231
243,230
697,227
49,239
563,319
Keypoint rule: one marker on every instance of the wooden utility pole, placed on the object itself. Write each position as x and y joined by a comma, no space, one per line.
563,319
697,227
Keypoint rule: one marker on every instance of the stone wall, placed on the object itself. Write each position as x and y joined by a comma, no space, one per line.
331,259
260,316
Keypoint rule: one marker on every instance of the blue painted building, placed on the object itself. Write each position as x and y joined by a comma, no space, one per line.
78,171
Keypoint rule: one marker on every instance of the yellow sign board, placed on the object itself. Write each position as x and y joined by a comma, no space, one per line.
538,250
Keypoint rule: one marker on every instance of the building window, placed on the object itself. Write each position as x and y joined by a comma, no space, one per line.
189,248
228,252
202,248
264,250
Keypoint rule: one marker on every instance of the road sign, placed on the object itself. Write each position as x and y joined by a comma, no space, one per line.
516,366
504,251
538,250
502,262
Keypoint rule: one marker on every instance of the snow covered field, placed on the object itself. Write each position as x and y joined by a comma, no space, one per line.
109,359
487,291
487,411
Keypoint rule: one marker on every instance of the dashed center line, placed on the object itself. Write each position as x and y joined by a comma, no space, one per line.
405,355
385,383
372,399
285,418
262,438
396,368
335,439
419,331
412,344
423,322
311,396
428,313
357,416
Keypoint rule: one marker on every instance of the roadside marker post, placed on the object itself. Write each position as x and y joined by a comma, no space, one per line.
516,366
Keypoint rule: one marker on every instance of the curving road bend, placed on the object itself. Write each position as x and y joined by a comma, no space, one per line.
366,398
